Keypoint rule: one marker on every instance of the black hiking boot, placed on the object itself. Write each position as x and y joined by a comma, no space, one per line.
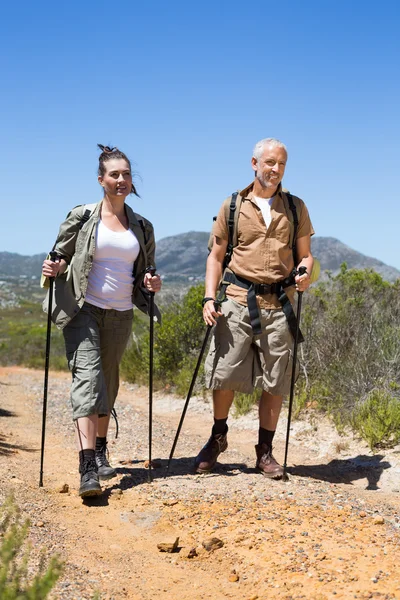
104,469
90,485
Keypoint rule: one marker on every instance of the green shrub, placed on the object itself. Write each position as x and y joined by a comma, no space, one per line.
184,378
23,332
176,345
378,419
243,403
352,348
15,584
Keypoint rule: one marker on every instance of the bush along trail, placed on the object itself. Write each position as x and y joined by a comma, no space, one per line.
331,531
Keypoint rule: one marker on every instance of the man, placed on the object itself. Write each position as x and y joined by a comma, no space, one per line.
244,356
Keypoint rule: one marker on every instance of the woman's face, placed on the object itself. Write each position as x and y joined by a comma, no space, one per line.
117,179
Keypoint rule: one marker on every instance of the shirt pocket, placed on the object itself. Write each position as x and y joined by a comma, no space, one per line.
250,230
282,230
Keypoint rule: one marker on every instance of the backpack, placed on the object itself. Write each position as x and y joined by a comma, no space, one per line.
232,211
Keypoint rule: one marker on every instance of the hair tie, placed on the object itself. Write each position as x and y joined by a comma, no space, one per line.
107,149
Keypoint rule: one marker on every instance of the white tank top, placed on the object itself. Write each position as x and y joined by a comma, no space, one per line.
111,277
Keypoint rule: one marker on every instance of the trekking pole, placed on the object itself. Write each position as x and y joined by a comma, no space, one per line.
53,256
301,271
203,347
152,272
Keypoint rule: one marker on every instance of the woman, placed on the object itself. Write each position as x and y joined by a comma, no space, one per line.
104,253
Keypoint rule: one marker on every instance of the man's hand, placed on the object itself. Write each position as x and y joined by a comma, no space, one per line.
302,282
210,315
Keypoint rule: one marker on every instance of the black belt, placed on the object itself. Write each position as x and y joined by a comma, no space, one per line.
277,289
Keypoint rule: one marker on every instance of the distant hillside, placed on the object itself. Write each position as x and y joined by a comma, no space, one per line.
333,253
17,265
185,255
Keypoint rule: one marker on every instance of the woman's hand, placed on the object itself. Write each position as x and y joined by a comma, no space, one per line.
51,268
152,283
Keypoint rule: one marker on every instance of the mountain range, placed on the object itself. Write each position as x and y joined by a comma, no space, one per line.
184,256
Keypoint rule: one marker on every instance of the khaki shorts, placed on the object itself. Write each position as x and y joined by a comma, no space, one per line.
239,361
95,341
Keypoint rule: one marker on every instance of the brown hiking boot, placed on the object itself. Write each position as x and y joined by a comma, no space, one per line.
266,463
206,459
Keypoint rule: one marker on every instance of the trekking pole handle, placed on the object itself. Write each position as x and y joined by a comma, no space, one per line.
217,304
53,257
151,270
302,270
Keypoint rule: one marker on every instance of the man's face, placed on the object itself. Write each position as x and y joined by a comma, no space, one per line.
270,167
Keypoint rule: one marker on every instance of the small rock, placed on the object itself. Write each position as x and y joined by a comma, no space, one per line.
378,520
192,553
233,576
155,464
363,514
40,524
213,543
170,502
117,492
168,547
62,488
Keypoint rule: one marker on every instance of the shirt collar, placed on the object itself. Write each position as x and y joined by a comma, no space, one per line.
247,192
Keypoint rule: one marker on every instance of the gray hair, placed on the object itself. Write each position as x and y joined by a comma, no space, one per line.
259,147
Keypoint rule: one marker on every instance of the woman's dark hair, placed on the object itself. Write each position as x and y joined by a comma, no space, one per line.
108,153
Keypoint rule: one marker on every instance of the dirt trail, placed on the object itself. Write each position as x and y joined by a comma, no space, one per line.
332,531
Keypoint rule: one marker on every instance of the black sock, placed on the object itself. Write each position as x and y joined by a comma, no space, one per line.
265,437
85,455
220,426
101,442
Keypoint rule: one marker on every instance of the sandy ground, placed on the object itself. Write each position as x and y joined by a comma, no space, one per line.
332,531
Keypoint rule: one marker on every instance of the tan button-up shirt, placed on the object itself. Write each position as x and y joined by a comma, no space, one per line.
263,254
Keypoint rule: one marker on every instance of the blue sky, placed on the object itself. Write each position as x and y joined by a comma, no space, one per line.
186,89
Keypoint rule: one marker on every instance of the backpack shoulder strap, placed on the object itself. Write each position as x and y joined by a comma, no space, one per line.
142,227
87,213
232,210
293,212
231,220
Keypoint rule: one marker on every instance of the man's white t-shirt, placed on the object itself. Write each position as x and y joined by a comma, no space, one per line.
111,277
264,204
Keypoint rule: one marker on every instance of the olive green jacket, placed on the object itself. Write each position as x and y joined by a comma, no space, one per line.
76,244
